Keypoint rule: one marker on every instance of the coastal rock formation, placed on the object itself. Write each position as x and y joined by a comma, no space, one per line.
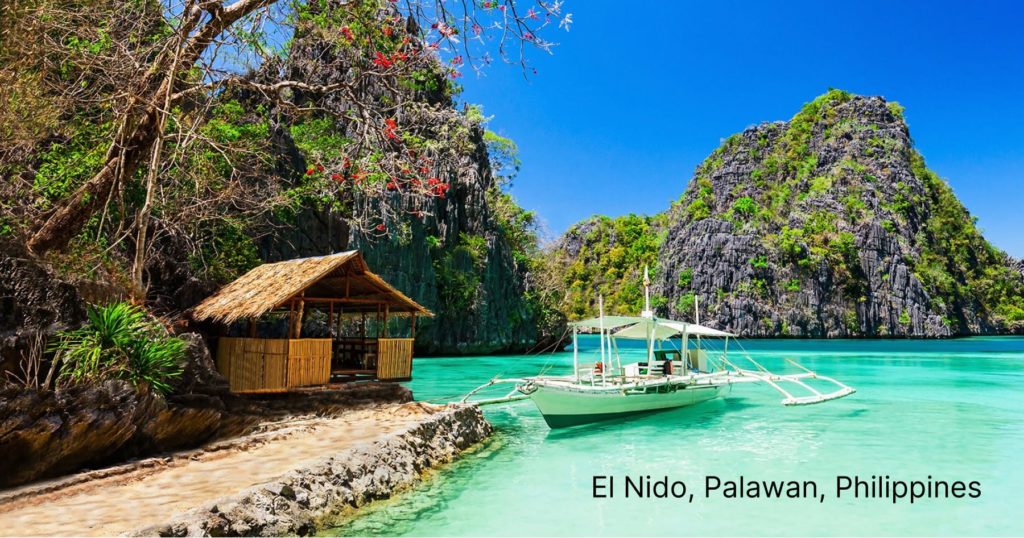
47,433
305,499
829,225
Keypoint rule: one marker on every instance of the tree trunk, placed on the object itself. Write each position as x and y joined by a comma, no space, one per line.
121,162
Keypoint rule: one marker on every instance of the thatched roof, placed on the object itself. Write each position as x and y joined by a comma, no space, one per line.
343,278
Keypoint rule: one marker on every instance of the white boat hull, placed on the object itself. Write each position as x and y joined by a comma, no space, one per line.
562,408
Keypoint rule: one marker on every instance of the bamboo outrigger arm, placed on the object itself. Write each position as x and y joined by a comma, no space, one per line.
774,380
513,395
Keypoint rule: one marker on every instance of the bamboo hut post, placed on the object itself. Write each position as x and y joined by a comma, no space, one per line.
412,328
378,320
252,328
330,318
298,318
387,319
291,317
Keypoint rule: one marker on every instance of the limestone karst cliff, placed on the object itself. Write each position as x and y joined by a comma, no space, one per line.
828,225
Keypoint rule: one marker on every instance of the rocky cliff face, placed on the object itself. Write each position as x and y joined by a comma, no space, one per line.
831,225
453,257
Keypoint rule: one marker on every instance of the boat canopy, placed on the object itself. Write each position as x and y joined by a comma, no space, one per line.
609,322
636,327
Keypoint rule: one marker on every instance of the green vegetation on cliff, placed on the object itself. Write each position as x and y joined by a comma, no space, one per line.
605,256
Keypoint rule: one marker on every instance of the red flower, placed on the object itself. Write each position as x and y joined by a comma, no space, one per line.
392,186
381,228
319,168
346,163
457,60
455,74
347,32
310,171
381,60
390,125
388,31
441,188
433,181
338,177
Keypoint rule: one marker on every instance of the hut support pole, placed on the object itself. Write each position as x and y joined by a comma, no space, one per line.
330,319
387,319
412,331
291,318
298,319
252,328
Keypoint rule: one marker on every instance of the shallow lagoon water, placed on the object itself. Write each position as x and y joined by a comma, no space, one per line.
952,410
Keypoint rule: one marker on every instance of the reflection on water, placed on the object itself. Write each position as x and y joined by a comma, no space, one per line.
947,409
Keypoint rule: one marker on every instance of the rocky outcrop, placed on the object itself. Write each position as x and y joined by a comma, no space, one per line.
47,433
831,226
33,302
305,499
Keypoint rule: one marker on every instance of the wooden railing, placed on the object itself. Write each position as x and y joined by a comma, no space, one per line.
273,365
394,359
309,362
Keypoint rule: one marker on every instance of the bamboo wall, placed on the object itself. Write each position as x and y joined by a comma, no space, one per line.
271,365
394,359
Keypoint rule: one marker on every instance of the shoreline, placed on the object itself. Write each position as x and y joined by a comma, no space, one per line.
290,479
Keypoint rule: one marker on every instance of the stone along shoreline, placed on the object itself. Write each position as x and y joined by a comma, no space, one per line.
290,478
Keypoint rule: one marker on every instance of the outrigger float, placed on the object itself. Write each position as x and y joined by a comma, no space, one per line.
669,378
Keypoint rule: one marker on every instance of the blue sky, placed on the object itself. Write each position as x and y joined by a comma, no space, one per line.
635,97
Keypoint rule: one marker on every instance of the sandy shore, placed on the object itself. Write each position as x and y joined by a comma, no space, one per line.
151,491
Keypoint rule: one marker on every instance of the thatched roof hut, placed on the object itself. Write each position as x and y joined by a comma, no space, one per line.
340,285
338,278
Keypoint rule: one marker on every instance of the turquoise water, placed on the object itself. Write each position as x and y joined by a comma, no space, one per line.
950,409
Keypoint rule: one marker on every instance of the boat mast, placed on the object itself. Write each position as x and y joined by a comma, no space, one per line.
600,312
696,317
575,354
648,314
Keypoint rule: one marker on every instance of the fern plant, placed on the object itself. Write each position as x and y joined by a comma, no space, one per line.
120,341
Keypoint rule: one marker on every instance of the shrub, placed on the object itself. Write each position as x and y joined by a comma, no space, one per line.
685,278
120,341
745,206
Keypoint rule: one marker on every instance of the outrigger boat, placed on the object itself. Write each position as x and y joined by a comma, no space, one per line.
669,378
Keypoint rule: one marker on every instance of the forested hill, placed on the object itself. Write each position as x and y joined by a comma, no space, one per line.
828,225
